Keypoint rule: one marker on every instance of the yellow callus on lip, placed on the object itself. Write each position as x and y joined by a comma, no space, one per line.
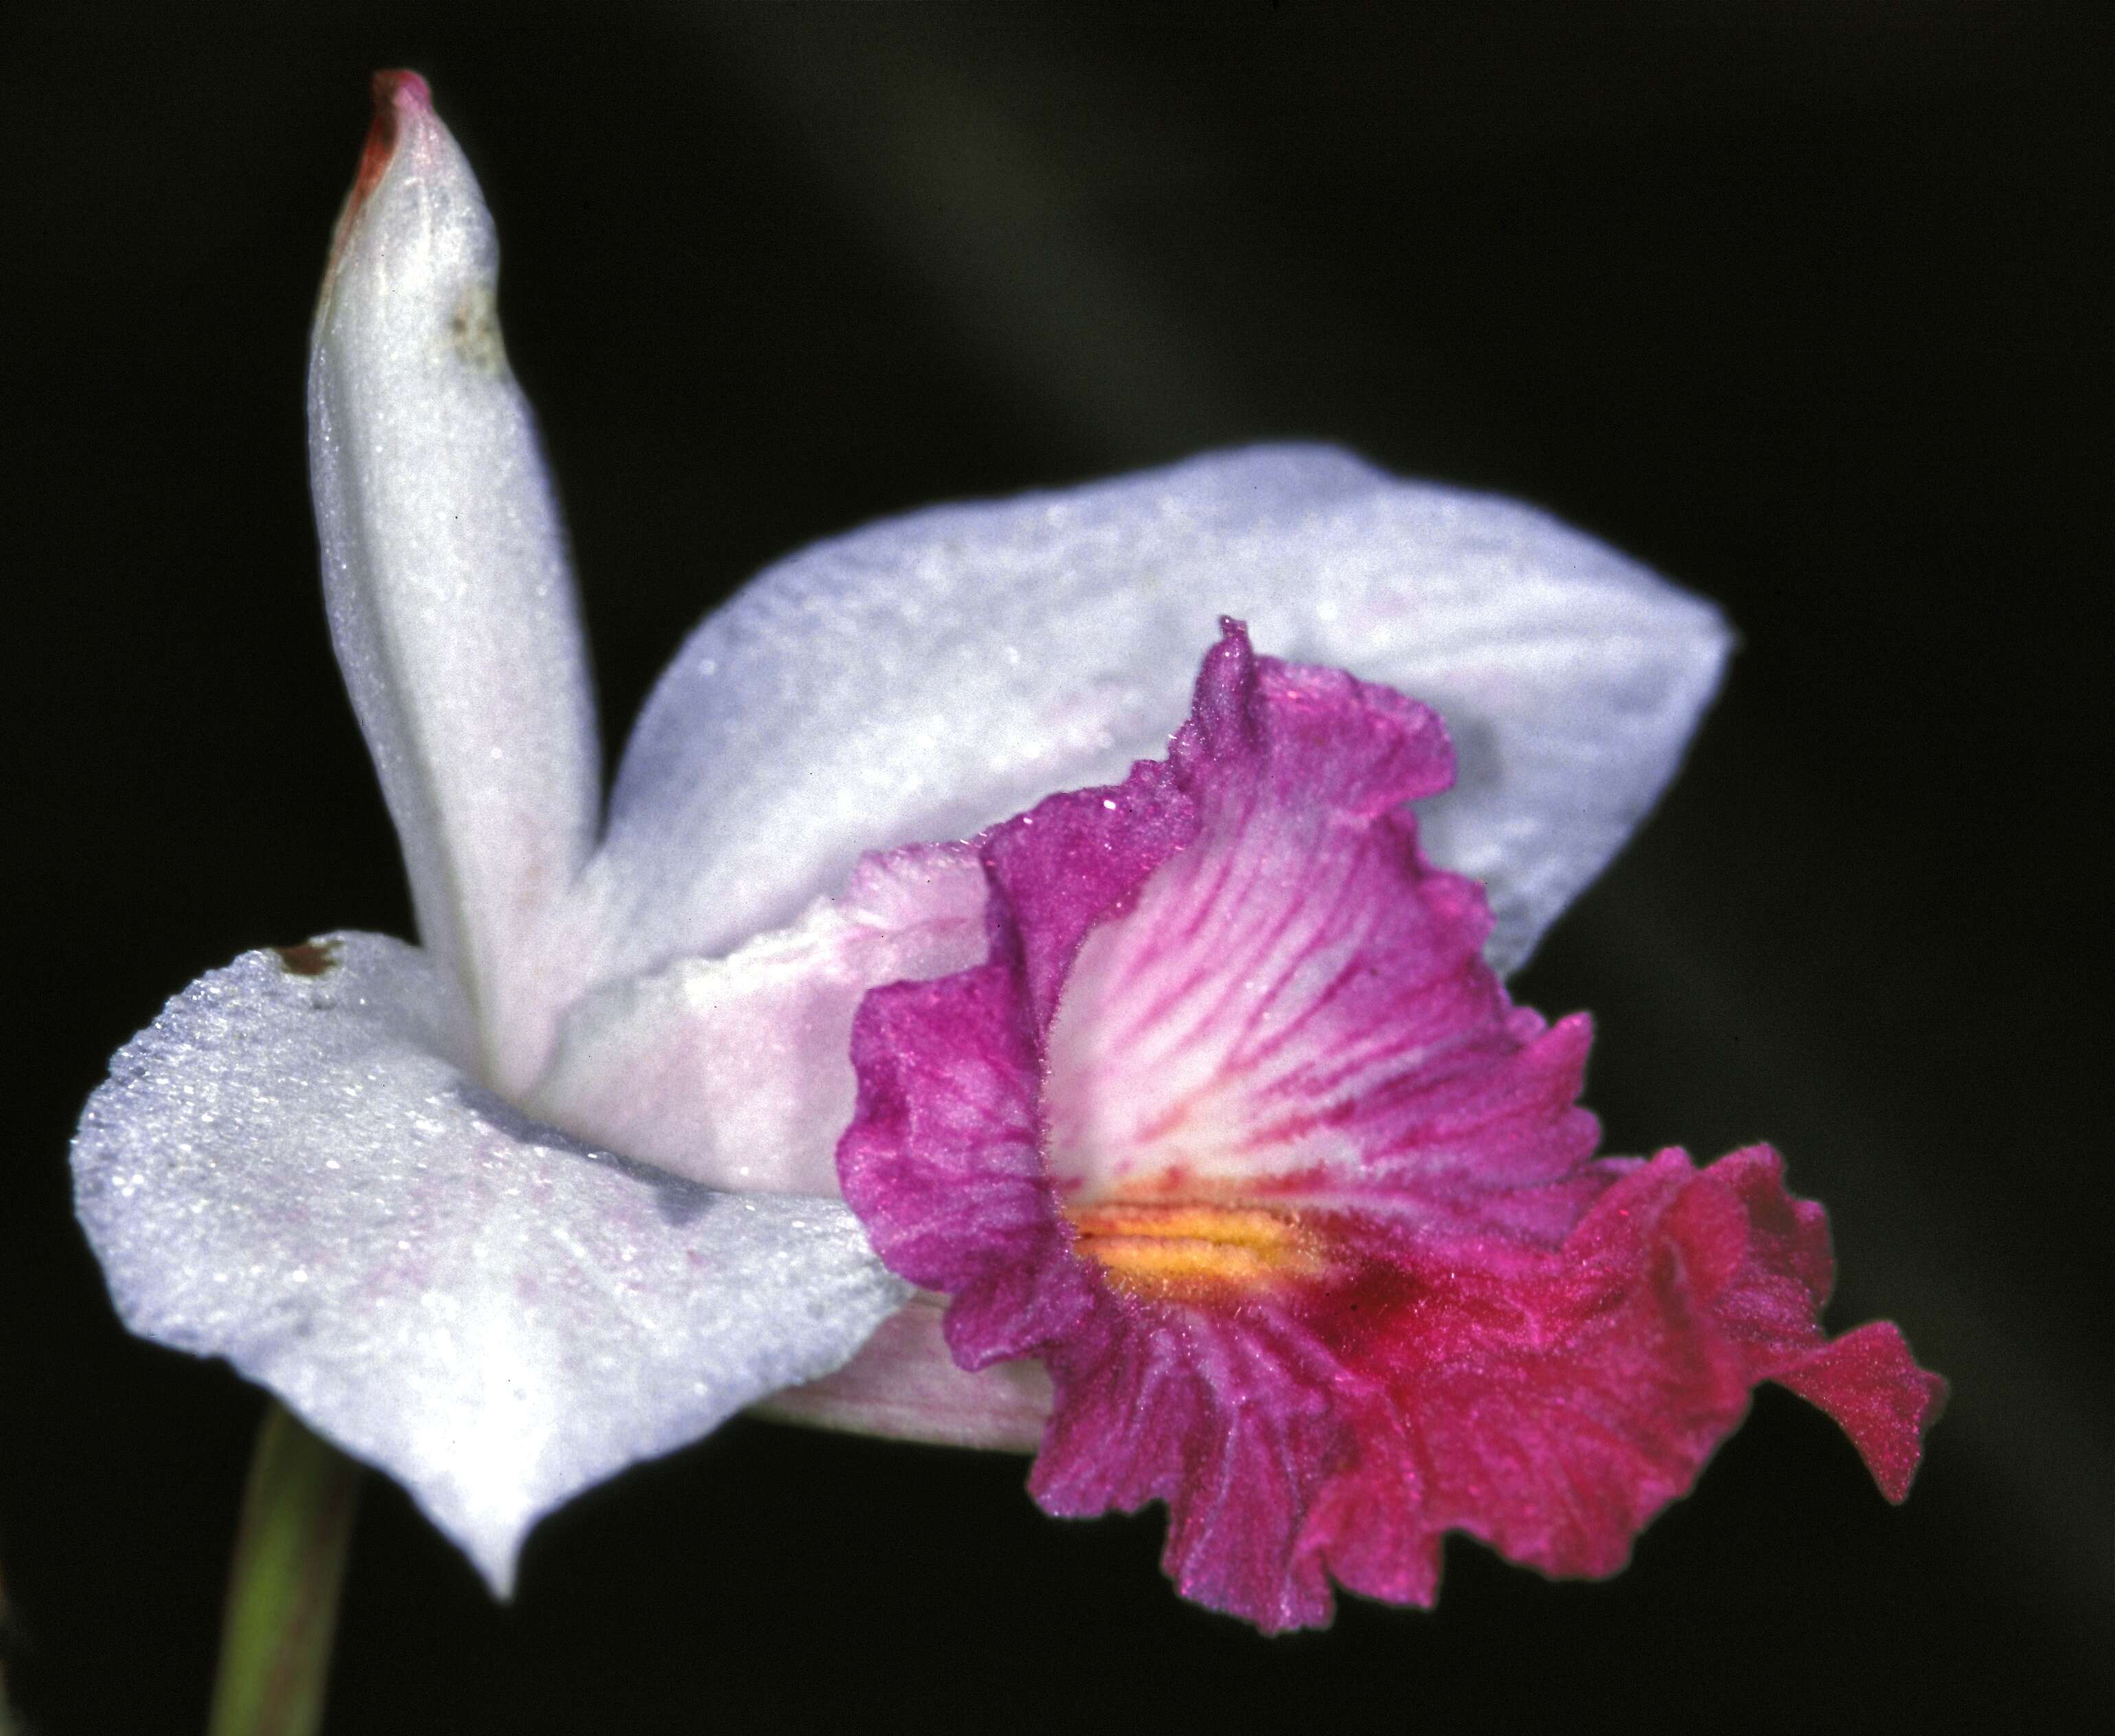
1156,1250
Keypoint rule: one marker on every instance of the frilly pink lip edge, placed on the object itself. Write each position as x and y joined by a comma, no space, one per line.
1235,1131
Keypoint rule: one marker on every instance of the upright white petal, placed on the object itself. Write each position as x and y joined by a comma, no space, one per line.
926,677
286,1170
447,577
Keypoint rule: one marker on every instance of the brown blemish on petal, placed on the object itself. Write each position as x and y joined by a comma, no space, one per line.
475,328
310,958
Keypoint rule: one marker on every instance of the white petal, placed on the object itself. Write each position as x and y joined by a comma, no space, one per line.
445,571
282,1170
923,677
737,1072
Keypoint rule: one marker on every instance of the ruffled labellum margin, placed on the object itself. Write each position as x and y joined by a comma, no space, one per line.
1236,1130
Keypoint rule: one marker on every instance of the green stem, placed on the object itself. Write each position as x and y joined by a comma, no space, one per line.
282,1584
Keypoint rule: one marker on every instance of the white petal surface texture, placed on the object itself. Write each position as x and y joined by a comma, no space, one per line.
446,578
283,1170
736,1072
926,676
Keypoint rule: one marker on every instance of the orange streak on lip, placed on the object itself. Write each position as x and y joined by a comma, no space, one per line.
1191,1248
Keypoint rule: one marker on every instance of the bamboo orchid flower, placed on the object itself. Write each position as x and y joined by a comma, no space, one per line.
555,1190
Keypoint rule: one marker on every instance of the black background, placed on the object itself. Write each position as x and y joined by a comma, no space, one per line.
1798,302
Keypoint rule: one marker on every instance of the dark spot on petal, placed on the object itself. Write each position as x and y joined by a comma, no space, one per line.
310,958
475,327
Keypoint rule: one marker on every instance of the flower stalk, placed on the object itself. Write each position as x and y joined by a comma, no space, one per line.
283,1582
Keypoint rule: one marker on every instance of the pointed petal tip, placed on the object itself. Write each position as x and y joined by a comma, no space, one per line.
400,87
400,96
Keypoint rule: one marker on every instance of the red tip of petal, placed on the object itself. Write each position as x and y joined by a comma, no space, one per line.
401,86
395,93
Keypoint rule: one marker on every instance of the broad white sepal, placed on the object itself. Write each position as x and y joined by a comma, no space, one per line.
284,1169
931,675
